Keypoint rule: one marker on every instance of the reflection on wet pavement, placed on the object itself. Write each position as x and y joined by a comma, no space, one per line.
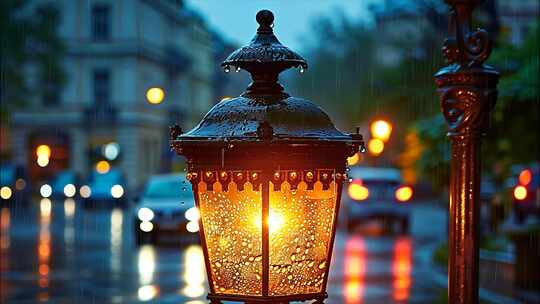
60,252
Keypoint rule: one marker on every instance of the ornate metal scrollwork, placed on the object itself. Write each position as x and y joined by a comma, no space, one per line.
467,109
465,47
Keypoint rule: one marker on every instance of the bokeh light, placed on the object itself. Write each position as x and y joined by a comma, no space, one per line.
45,190
111,150
525,177
155,95
520,193
117,191
103,167
375,146
353,160
404,193
381,129
85,191
70,190
5,192
43,151
357,191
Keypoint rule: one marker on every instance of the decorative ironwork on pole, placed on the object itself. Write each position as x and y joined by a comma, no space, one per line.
468,92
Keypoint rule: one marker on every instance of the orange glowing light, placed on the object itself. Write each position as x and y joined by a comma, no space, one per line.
525,177
401,269
404,193
381,129
357,191
43,269
375,146
43,151
520,193
103,167
353,160
355,270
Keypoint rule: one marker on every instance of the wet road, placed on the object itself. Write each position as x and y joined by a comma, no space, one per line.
58,252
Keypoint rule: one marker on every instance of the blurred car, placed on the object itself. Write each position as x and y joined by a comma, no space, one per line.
166,206
65,184
526,193
377,194
14,185
106,189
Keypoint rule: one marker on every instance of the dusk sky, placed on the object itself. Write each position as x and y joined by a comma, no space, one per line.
235,19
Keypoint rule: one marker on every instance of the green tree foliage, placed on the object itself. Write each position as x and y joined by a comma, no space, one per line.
28,35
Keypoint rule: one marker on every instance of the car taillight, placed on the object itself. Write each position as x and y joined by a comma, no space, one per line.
404,193
520,193
357,191
525,177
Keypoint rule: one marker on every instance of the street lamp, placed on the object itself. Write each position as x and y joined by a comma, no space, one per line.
266,170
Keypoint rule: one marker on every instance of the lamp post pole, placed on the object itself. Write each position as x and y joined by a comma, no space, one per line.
468,92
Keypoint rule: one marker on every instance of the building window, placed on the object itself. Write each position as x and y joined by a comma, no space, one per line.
101,22
102,87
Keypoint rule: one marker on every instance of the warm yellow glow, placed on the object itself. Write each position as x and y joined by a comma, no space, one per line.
192,227
85,191
103,167
353,160
42,161
357,191
404,193
520,193
275,221
381,129
146,226
299,223
155,95
525,177
225,98
5,192
43,151
375,146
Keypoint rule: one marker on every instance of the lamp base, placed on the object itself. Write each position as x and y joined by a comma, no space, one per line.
218,298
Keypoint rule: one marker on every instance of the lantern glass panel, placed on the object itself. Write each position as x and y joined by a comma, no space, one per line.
300,230
231,221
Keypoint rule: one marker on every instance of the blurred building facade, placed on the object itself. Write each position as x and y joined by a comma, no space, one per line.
116,51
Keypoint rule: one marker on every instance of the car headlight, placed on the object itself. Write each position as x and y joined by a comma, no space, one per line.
70,190
192,214
145,214
117,191
5,192
404,193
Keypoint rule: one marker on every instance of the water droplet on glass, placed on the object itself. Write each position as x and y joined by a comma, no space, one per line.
184,188
301,69
363,149
182,203
227,69
238,69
